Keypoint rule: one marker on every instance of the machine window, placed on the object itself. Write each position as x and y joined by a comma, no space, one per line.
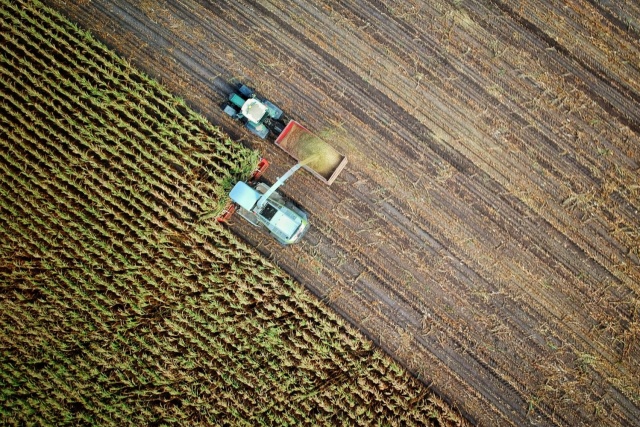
268,212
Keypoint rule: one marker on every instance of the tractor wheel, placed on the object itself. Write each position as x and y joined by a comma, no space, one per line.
260,130
246,91
229,110
277,128
274,111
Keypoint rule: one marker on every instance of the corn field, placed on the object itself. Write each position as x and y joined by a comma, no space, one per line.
122,301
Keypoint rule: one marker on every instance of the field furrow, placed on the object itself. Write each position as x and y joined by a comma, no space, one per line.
485,231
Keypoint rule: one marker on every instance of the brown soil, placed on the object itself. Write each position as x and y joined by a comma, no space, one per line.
486,229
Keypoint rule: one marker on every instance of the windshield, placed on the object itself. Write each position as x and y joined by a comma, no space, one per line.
269,211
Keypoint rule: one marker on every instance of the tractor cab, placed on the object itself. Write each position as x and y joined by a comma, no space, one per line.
253,110
260,116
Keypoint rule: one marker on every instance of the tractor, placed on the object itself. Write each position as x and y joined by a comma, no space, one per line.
258,115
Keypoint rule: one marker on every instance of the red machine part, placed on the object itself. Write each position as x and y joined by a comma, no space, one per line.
262,166
227,213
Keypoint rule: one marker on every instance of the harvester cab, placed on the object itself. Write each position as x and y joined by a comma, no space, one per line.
259,115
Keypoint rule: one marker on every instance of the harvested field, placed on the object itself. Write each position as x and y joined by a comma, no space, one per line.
122,300
486,230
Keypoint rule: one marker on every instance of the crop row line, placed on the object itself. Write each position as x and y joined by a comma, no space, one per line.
96,50
148,155
142,100
119,136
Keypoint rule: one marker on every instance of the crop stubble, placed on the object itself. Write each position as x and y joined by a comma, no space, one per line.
486,229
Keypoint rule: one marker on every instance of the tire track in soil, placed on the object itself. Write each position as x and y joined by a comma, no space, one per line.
615,12
619,101
498,189
494,385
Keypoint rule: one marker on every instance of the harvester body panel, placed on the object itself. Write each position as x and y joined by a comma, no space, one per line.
286,222
245,196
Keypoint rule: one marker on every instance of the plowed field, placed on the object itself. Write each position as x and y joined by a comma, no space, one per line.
486,231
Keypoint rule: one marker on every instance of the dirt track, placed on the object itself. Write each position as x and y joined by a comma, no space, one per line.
486,230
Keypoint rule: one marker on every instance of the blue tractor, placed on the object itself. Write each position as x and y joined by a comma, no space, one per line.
259,115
